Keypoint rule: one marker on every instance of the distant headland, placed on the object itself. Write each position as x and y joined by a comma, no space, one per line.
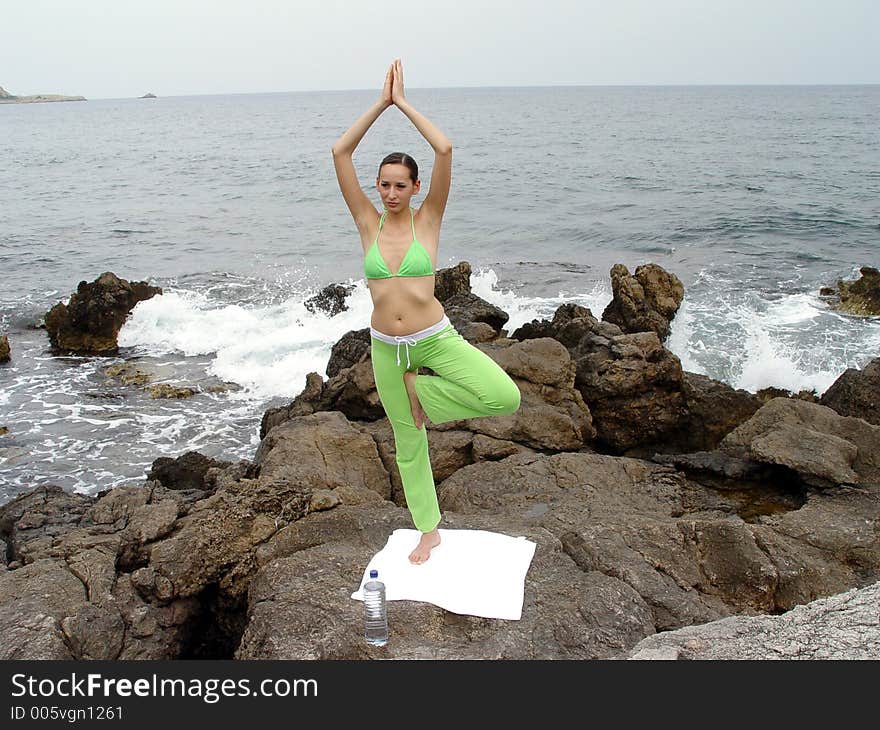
148,95
7,98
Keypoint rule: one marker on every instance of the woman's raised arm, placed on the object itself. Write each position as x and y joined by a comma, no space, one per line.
441,176
358,203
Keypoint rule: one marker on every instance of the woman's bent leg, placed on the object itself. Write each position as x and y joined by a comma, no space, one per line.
468,383
410,443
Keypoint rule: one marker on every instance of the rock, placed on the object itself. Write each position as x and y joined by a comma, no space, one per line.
862,296
644,302
822,447
4,348
714,409
679,545
465,310
34,599
166,390
856,393
768,394
129,374
631,384
321,451
352,348
90,323
4,94
299,608
148,95
331,299
452,281
841,627
32,521
187,471
552,414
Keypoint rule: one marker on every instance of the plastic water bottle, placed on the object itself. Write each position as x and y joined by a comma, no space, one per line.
375,616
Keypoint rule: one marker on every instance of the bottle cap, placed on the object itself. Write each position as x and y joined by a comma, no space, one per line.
374,574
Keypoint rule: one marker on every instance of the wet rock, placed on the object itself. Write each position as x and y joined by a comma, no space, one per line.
331,299
644,302
90,322
4,348
187,471
862,296
767,394
822,447
856,393
841,627
129,374
166,390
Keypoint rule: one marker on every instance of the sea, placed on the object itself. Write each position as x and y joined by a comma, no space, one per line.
754,196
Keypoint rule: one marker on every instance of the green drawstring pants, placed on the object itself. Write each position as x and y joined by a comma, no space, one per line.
468,384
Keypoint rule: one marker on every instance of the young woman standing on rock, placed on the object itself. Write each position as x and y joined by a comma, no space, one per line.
400,251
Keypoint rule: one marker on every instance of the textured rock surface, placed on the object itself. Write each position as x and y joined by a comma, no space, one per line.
4,349
823,447
844,626
90,322
856,393
861,296
645,301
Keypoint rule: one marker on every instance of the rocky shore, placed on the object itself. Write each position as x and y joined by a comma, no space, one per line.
7,98
674,516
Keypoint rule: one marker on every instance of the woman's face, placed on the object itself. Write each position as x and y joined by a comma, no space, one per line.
395,186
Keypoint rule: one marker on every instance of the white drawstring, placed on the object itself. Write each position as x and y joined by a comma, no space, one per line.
406,341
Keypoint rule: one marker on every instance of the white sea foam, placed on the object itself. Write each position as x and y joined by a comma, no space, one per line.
269,350
523,308
753,341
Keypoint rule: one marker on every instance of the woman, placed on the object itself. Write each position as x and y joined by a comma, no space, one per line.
400,254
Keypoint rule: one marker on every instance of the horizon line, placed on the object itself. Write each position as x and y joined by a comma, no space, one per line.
497,86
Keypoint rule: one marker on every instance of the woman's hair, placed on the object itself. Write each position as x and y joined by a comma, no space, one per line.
401,158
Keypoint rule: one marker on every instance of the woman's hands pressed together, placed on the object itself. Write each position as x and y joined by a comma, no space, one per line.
397,95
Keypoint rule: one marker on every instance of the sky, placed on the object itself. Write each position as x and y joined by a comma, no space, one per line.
125,48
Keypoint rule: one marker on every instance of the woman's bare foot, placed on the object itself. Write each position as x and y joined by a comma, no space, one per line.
428,542
418,414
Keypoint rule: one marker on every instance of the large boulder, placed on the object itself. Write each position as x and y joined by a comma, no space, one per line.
822,447
90,322
856,393
644,302
630,382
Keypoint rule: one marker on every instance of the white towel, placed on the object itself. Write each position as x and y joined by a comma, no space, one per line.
470,572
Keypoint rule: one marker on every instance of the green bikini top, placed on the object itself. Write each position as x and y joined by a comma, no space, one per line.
416,261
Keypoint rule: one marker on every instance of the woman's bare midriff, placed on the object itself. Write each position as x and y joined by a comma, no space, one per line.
403,305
